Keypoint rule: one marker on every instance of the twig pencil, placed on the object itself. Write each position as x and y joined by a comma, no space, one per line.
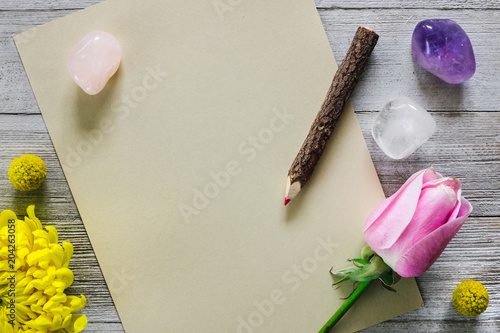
342,86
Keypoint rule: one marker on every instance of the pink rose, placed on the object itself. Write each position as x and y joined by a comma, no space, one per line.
410,229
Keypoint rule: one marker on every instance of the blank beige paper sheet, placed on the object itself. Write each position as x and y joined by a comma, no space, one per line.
178,166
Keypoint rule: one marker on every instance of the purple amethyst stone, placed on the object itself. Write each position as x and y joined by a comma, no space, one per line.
443,48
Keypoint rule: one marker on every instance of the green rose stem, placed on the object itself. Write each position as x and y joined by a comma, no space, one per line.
366,269
356,294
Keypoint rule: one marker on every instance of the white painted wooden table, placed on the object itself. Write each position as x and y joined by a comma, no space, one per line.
466,144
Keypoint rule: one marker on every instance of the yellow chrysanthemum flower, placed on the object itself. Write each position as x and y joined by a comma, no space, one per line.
33,276
27,172
470,298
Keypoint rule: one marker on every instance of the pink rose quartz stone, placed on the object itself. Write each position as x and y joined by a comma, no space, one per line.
94,61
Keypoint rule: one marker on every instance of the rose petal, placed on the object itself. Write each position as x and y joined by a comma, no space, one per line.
388,220
434,208
458,206
383,205
431,175
423,254
450,181
465,208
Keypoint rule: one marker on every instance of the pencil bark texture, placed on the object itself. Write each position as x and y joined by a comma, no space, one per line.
342,86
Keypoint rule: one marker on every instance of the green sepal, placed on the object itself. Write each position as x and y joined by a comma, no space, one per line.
359,262
367,253
345,278
375,268
390,278
365,270
369,267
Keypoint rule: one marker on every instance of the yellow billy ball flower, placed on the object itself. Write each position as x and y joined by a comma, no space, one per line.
470,298
27,172
34,274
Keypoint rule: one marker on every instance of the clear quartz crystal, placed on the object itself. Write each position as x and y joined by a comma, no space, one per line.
401,127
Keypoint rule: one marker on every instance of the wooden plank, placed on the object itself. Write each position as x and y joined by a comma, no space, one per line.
470,153
55,5
390,70
481,239
433,326
48,5
15,91
457,149
100,309
412,4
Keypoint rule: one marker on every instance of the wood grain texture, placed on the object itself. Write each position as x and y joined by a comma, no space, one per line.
390,70
406,4
53,5
466,144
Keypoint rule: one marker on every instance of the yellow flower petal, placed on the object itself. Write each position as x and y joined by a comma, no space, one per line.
50,290
42,300
32,258
59,284
36,308
59,298
58,311
49,305
22,309
41,323
66,275
76,303
5,216
31,214
44,262
34,297
41,279
39,273
38,284
80,323
23,252
53,236
56,322
68,253
57,255
75,323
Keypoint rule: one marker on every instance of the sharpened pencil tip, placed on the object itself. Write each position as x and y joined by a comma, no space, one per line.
287,201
